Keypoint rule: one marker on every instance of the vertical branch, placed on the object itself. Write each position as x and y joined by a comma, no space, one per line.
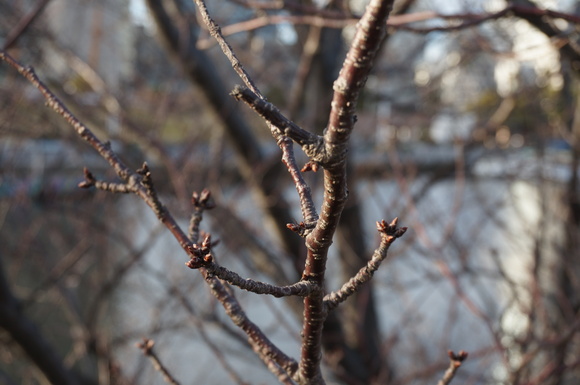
352,77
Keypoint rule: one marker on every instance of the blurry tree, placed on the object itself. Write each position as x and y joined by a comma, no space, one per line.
467,130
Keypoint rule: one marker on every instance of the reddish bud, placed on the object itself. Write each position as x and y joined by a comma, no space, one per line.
202,199
144,170
310,166
195,263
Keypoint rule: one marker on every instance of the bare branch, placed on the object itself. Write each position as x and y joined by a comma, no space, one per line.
146,347
389,233
301,289
332,19
215,31
306,202
23,24
260,343
212,269
270,355
263,347
140,184
455,361
280,125
352,77
91,181
201,202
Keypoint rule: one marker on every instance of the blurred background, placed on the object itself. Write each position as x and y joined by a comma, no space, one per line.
468,131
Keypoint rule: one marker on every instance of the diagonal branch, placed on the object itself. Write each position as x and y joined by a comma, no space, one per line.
147,347
389,233
24,24
140,183
279,124
216,33
277,361
135,182
259,342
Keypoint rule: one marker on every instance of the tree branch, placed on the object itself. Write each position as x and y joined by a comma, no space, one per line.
139,184
270,355
389,233
24,24
306,202
311,144
352,77
215,32
202,71
146,347
143,187
301,289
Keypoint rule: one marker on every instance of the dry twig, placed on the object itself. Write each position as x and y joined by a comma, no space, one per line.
146,347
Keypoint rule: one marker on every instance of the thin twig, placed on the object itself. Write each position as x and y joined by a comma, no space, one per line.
146,347
215,31
135,182
301,289
455,361
261,344
389,233
211,269
317,18
91,181
306,202
279,125
311,144
23,24
257,339
264,348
